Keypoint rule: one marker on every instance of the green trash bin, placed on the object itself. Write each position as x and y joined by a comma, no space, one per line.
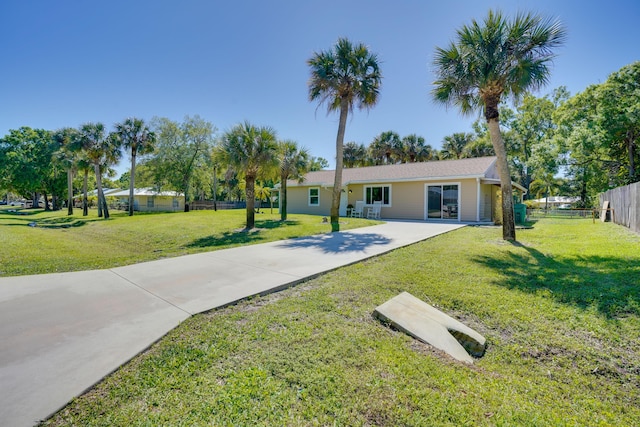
520,211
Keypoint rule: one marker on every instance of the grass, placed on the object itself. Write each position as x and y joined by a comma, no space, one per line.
560,311
60,243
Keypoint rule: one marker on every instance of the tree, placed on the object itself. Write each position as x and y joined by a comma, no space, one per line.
68,140
386,148
455,146
293,163
488,62
354,154
27,165
414,149
138,139
249,150
182,155
101,151
619,116
532,126
342,77
318,164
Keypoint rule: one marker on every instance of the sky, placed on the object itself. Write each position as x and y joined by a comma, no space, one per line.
65,63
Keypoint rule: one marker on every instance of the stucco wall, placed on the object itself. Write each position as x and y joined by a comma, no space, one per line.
407,199
298,201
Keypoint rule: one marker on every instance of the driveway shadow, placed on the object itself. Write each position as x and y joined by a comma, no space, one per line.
335,243
609,284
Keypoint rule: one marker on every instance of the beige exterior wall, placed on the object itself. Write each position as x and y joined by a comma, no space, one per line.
407,199
160,203
298,201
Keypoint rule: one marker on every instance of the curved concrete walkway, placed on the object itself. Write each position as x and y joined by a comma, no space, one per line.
61,333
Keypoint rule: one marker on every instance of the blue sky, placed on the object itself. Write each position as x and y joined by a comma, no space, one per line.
66,62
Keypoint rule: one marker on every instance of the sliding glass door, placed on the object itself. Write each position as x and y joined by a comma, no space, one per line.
442,201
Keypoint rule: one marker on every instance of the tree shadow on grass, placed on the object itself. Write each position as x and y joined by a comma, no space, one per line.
338,242
232,238
607,283
52,223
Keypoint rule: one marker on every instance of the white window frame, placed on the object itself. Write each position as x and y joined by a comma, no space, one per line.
426,201
364,194
309,196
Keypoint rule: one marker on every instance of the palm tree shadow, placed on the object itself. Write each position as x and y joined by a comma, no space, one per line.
606,283
334,243
240,237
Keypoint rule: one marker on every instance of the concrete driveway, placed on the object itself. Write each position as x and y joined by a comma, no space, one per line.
62,333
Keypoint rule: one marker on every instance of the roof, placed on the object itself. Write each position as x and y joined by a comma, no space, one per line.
478,167
148,191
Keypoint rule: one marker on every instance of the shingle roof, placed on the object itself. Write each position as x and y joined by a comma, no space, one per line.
478,167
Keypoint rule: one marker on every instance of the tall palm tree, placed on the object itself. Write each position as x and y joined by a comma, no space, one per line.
138,139
342,77
492,60
67,140
101,151
294,163
249,150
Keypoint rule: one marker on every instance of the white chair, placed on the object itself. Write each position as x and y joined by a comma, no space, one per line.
374,211
357,212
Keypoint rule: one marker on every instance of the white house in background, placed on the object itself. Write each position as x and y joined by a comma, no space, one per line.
150,200
563,202
453,190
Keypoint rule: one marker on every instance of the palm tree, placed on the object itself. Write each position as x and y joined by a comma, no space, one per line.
250,150
386,148
136,137
488,62
101,151
67,154
342,77
354,154
414,149
294,163
453,146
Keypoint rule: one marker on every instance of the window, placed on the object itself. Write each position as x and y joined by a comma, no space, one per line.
314,196
176,203
150,202
380,193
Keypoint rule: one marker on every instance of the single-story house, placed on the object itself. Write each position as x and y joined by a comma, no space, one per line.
463,190
150,200
564,202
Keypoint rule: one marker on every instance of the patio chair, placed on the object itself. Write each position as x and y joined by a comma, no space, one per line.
374,211
357,212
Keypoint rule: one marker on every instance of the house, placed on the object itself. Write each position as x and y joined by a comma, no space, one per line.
150,200
562,202
463,190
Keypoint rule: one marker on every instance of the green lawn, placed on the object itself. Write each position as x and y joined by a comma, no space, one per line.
68,243
560,311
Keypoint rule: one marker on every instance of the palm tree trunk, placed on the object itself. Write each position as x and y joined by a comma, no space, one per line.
250,182
337,182
283,198
508,216
85,199
69,191
631,152
102,203
132,178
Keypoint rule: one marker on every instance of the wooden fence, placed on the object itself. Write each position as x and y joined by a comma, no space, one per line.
625,202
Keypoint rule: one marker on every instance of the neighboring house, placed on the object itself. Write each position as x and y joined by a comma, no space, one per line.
458,190
564,202
149,200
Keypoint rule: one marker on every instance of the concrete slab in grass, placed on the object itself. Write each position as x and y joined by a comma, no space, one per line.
428,324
